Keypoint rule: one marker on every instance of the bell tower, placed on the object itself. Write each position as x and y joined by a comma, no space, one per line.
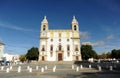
75,24
44,27
44,24
43,40
76,39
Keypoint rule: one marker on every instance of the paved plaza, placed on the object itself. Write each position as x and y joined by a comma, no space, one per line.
62,70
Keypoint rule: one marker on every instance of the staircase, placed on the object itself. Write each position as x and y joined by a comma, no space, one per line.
59,65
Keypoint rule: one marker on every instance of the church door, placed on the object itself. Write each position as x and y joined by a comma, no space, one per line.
59,56
43,58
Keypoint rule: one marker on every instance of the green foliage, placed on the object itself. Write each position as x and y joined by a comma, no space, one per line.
87,52
105,55
32,54
115,54
22,58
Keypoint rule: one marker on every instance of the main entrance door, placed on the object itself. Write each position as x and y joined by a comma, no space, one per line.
60,57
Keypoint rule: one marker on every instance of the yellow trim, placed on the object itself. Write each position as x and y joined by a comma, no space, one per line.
59,31
67,35
75,35
51,34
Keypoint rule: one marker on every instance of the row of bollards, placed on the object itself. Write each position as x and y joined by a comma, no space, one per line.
99,67
77,68
28,68
53,69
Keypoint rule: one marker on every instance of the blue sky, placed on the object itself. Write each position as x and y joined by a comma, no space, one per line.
99,22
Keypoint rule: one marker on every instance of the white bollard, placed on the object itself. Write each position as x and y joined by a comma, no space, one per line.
99,68
81,66
77,69
72,66
36,67
111,68
45,67
10,67
42,69
90,66
54,68
28,67
19,69
2,67
30,70
7,70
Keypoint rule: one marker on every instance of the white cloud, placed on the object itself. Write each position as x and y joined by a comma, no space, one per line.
98,43
15,27
86,43
84,35
110,37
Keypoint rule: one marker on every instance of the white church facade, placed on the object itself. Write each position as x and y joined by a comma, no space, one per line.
1,50
59,45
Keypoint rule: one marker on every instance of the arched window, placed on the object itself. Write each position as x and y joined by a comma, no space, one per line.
60,47
76,47
75,28
44,27
51,48
68,54
59,40
51,40
68,48
43,48
59,34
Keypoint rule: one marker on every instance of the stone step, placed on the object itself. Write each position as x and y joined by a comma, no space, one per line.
56,62
60,64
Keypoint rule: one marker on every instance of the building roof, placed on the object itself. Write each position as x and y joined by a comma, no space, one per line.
45,20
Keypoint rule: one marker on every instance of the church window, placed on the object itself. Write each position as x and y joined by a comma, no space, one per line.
43,48
68,48
76,47
60,47
68,54
59,34
67,39
59,40
75,28
51,48
51,40
44,27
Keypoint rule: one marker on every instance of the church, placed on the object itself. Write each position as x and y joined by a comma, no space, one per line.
1,50
59,45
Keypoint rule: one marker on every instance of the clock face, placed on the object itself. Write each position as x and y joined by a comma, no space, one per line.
43,34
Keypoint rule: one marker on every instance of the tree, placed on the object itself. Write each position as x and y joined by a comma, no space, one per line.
115,54
22,58
87,52
32,54
103,56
